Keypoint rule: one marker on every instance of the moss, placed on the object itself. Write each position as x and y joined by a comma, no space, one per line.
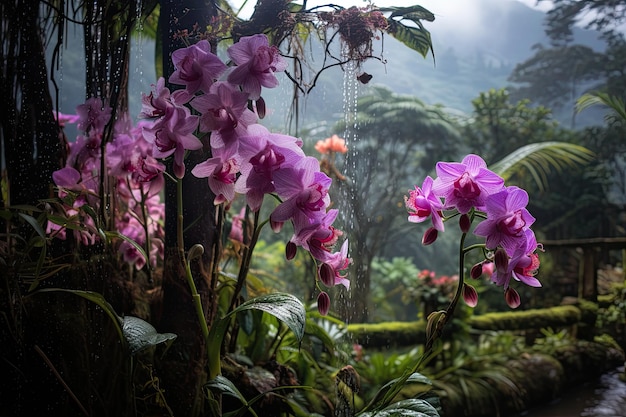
606,300
388,334
392,334
529,319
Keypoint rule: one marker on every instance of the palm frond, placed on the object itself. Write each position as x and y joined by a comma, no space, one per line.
539,159
600,98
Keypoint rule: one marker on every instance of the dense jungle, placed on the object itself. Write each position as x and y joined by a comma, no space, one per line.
288,208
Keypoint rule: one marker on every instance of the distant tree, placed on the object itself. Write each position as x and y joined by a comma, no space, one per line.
558,75
555,76
498,126
398,140
603,15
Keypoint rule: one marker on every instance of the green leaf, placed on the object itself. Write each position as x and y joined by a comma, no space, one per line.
539,158
284,307
34,223
603,99
413,407
416,38
96,298
225,386
112,234
411,12
40,261
140,334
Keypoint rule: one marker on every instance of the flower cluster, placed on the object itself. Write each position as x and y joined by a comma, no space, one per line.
135,179
330,145
218,110
329,148
470,190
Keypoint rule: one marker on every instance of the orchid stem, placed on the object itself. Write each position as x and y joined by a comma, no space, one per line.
195,296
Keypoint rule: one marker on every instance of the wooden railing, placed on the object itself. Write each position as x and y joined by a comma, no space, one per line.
591,249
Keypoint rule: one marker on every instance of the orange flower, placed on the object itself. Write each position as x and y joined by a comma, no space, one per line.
331,144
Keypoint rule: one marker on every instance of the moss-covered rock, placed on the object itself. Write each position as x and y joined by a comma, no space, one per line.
581,315
388,334
560,316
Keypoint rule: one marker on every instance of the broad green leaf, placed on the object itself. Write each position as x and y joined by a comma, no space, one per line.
416,38
285,307
140,334
413,407
225,386
388,392
316,330
411,12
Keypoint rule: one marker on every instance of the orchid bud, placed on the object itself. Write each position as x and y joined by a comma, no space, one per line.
470,296
512,298
465,223
323,303
327,275
501,259
260,107
276,226
196,251
476,271
430,235
179,171
290,250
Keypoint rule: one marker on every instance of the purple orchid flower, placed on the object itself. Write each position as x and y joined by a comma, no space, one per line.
507,219
331,270
93,115
263,153
305,190
173,134
221,171
422,203
522,266
466,184
155,104
257,62
196,67
224,112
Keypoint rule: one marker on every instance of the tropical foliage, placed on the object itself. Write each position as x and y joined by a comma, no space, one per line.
140,277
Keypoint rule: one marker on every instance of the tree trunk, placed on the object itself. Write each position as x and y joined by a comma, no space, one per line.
30,134
183,370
